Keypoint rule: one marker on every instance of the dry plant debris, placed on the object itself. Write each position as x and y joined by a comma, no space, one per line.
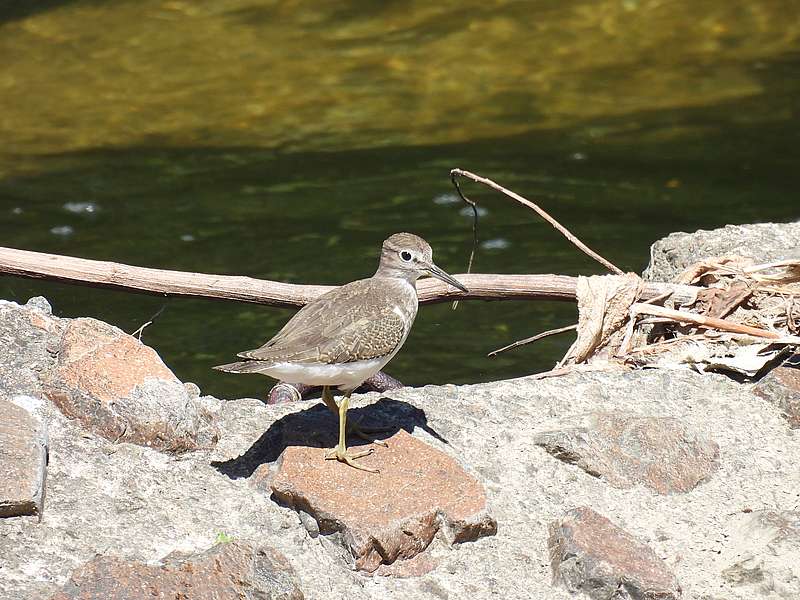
745,318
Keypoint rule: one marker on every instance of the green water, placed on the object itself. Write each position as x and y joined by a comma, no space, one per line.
286,141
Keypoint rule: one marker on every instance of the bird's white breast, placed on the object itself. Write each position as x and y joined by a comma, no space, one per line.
349,375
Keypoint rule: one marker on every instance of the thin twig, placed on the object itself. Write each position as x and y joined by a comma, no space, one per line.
659,298
624,347
684,338
791,262
708,322
138,333
727,335
529,340
564,231
474,208
149,322
784,339
655,321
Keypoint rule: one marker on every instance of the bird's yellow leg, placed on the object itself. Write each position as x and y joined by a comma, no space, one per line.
341,453
327,398
352,428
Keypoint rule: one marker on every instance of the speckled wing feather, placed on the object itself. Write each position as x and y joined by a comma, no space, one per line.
361,320
365,339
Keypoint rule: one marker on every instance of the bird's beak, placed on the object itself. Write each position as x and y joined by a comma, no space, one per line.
435,271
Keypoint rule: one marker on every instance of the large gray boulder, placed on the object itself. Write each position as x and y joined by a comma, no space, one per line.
764,242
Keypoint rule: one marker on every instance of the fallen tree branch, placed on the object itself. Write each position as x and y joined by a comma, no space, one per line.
103,274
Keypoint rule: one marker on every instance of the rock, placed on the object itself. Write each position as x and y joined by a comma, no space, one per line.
140,504
590,554
626,450
781,387
762,553
107,380
380,382
104,362
765,242
28,340
23,457
227,571
389,516
283,392
120,389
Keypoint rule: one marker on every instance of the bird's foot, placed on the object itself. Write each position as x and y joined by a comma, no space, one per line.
368,433
344,455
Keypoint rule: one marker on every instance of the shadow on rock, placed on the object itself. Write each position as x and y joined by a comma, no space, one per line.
318,427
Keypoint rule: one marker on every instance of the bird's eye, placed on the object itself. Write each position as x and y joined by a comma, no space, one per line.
405,255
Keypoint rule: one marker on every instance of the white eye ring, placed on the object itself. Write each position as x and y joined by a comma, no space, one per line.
405,255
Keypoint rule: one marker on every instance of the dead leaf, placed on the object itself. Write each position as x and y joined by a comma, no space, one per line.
604,303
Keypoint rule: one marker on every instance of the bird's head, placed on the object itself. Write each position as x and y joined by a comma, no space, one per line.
409,256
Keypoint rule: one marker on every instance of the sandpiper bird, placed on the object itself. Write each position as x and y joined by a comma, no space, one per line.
348,334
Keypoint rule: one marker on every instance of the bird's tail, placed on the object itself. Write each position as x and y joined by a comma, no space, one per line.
246,366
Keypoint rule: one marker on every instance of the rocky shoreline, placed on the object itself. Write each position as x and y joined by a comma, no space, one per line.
651,484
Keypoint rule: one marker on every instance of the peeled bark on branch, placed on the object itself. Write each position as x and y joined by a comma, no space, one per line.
96,273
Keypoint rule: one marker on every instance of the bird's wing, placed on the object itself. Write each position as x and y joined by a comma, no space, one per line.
343,325
372,336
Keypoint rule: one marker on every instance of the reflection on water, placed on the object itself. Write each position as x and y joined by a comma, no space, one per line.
286,140
356,74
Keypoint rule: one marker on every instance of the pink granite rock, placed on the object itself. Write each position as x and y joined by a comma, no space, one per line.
389,516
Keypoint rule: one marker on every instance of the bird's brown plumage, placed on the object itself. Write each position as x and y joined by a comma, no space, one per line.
357,321
360,321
